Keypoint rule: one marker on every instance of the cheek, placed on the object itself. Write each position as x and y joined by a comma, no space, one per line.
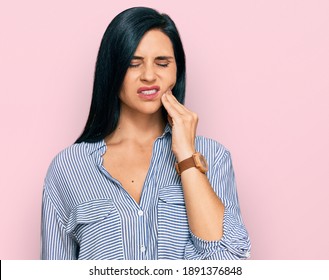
171,77
126,86
124,91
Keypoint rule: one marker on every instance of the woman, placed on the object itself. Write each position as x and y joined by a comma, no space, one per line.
138,183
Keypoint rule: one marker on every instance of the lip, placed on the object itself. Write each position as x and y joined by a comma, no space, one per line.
157,88
148,96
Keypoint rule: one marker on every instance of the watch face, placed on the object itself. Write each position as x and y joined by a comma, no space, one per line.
201,162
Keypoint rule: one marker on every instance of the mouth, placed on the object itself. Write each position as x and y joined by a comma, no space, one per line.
148,92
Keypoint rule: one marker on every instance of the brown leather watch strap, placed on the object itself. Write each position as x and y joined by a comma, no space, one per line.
185,164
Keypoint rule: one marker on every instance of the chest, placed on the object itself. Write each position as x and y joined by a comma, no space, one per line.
129,166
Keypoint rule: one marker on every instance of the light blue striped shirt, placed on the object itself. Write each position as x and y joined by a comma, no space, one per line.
87,214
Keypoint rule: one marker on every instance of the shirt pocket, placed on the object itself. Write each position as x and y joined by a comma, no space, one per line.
97,228
173,229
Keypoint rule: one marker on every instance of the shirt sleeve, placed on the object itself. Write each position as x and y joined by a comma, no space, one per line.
235,242
56,243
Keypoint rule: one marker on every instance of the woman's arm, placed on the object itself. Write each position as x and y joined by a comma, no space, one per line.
213,212
205,210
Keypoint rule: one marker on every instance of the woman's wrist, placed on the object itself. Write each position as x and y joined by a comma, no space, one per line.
180,156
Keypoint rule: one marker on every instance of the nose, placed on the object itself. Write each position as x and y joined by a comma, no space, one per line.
148,74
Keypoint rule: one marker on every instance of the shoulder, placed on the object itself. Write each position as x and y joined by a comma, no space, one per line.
71,158
212,150
70,154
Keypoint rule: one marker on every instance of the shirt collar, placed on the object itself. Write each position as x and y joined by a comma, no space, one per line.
95,146
167,130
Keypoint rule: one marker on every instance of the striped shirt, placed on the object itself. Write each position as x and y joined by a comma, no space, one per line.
87,214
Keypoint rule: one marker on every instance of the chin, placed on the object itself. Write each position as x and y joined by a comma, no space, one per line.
151,111
143,108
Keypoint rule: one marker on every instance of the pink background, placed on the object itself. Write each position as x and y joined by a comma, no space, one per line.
258,76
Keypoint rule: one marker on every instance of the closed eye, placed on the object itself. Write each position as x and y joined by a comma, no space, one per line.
162,61
163,64
136,61
133,65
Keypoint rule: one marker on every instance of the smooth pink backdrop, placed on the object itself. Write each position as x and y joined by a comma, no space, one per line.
258,76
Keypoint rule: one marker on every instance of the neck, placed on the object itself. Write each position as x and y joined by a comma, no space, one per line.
139,128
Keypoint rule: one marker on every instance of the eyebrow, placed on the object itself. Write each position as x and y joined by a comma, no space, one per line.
162,57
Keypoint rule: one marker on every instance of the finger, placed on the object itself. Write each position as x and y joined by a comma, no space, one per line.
170,120
175,109
174,99
171,109
178,106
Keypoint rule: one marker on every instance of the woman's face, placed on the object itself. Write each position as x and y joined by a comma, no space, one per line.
151,73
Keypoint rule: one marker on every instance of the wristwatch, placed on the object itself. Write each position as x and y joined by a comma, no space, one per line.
196,160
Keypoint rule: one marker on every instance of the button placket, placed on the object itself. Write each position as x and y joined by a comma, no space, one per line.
144,206
142,226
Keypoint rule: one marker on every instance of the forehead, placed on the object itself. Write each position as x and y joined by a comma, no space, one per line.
154,43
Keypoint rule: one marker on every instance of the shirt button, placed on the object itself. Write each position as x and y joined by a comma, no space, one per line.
140,213
143,249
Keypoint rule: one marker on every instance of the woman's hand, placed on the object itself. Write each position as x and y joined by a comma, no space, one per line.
184,124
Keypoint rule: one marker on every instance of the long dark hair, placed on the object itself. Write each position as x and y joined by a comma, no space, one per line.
117,48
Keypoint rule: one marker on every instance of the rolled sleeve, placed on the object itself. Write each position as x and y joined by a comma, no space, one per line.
235,242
